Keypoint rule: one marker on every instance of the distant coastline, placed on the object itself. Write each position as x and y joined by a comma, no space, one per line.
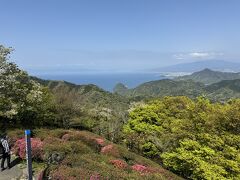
106,81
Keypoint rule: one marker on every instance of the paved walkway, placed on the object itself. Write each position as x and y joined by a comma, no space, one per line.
14,173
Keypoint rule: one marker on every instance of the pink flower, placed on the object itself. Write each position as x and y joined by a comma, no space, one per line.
99,141
107,149
37,148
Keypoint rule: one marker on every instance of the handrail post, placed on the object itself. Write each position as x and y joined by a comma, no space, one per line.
28,153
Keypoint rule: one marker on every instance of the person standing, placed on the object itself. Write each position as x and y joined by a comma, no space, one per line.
5,153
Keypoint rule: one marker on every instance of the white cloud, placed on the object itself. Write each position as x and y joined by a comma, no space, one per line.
198,55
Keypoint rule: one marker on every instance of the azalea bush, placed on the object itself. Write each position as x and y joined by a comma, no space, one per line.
36,148
110,150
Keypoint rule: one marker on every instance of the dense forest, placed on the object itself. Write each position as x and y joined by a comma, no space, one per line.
190,128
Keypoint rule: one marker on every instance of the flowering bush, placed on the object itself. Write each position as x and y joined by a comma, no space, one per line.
37,148
100,141
119,163
142,169
110,150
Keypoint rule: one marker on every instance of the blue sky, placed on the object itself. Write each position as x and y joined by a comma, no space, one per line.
119,35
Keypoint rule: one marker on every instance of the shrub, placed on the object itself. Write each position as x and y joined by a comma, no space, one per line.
37,148
95,177
66,137
86,137
100,141
14,135
119,163
45,133
143,169
110,150
56,151
68,173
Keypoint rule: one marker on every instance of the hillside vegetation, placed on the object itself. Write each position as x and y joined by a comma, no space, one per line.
196,139
165,87
208,76
88,107
167,121
217,92
73,155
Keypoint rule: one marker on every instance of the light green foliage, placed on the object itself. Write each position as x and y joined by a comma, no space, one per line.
196,139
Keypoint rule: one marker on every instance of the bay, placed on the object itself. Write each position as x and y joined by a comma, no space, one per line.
105,81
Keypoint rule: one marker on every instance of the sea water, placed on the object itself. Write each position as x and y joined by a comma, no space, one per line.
105,81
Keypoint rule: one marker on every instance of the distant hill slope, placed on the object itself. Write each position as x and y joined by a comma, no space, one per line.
220,91
208,76
164,87
217,65
223,90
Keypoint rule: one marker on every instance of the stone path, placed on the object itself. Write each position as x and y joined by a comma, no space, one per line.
15,173
11,174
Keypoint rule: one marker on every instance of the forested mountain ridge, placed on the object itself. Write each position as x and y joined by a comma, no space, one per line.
208,76
165,87
221,91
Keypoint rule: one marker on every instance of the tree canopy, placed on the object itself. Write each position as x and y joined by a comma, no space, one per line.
22,100
196,139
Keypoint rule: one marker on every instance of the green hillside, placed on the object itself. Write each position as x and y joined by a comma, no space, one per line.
224,90
221,91
164,87
208,76
89,107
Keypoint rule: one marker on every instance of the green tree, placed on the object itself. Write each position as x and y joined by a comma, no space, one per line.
22,101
